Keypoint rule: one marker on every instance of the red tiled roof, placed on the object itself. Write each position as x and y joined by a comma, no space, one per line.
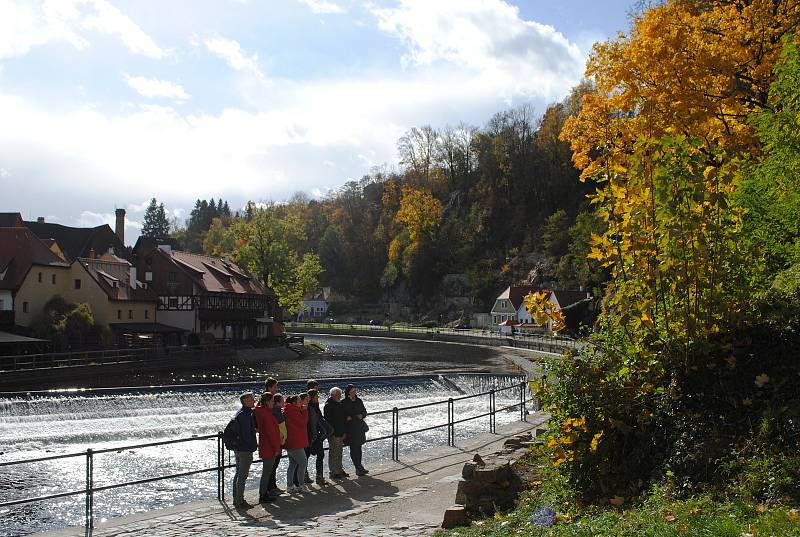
20,249
216,275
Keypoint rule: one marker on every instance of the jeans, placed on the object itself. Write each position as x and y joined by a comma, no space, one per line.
336,444
355,456
266,473
297,464
243,461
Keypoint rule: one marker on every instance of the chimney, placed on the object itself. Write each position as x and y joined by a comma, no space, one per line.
40,220
92,254
120,228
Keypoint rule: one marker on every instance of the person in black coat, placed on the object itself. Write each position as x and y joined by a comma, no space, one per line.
355,426
334,415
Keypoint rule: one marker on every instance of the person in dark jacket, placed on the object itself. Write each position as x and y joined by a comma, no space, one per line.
269,444
355,426
318,431
244,452
334,415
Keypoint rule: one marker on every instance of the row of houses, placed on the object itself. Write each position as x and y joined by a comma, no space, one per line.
149,290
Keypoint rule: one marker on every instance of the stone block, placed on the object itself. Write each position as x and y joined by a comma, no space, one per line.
455,516
468,472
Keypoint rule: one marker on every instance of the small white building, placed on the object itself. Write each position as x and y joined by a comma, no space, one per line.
315,305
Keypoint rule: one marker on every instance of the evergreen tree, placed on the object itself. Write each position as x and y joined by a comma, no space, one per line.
156,223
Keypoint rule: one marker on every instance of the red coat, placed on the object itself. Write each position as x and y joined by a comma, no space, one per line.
296,427
269,437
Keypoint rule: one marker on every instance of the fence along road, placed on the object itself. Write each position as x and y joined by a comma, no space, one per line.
223,460
540,342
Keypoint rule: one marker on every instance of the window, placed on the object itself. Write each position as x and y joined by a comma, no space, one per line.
40,277
24,307
77,284
119,314
146,314
148,276
173,302
130,314
54,279
172,277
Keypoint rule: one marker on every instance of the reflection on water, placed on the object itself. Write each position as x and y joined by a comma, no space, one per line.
39,425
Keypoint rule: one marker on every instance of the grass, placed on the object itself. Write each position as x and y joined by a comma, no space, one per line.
658,515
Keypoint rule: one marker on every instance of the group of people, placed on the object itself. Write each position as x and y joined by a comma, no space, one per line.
299,426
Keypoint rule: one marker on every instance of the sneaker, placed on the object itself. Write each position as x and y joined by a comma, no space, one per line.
362,471
305,489
268,498
321,481
276,491
291,489
308,479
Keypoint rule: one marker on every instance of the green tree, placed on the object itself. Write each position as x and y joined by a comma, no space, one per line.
770,192
265,244
156,223
219,240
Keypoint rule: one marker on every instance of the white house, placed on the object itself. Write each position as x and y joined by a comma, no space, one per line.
510,305
315,305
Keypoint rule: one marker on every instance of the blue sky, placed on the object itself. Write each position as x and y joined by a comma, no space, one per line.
106,103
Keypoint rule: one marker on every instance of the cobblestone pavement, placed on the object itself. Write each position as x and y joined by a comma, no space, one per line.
397,499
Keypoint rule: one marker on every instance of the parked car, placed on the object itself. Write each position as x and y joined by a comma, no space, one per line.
331,320
375,322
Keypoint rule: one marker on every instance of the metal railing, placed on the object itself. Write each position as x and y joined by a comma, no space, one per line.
528,340
224,459
29,362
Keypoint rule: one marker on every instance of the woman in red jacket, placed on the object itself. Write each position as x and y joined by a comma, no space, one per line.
296,442
269,444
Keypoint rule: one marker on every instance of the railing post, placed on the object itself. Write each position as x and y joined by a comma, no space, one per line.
491,411
522,402
220,468
395,432
89,521
451,437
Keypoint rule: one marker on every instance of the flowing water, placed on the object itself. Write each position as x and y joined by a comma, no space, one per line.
42,424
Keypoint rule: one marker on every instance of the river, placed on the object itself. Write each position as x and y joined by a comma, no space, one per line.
43,424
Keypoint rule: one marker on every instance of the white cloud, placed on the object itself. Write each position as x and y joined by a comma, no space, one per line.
153,87
231,51
26,24
322,6
486,36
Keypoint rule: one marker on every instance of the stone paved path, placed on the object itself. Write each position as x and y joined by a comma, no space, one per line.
397,499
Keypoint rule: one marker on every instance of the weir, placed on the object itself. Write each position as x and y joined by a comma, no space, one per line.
47,423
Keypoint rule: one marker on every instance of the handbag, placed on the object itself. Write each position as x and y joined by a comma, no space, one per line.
364,426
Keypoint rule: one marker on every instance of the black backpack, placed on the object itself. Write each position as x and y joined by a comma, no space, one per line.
232,436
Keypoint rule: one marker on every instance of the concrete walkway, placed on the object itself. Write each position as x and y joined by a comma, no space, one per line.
397,499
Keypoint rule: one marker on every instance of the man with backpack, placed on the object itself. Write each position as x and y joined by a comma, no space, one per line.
243,445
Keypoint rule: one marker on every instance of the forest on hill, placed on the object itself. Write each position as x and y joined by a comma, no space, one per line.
484,204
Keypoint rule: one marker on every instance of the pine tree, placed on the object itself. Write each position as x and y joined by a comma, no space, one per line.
156,223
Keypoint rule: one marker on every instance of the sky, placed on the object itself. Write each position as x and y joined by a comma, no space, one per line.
107,103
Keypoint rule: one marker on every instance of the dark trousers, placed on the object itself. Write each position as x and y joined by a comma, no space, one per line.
355,455
273,483
317,450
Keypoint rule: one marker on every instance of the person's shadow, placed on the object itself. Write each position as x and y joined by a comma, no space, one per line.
333,499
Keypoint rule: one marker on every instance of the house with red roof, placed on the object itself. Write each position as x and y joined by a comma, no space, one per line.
209,295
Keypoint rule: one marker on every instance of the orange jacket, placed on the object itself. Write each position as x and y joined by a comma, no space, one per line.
296,427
